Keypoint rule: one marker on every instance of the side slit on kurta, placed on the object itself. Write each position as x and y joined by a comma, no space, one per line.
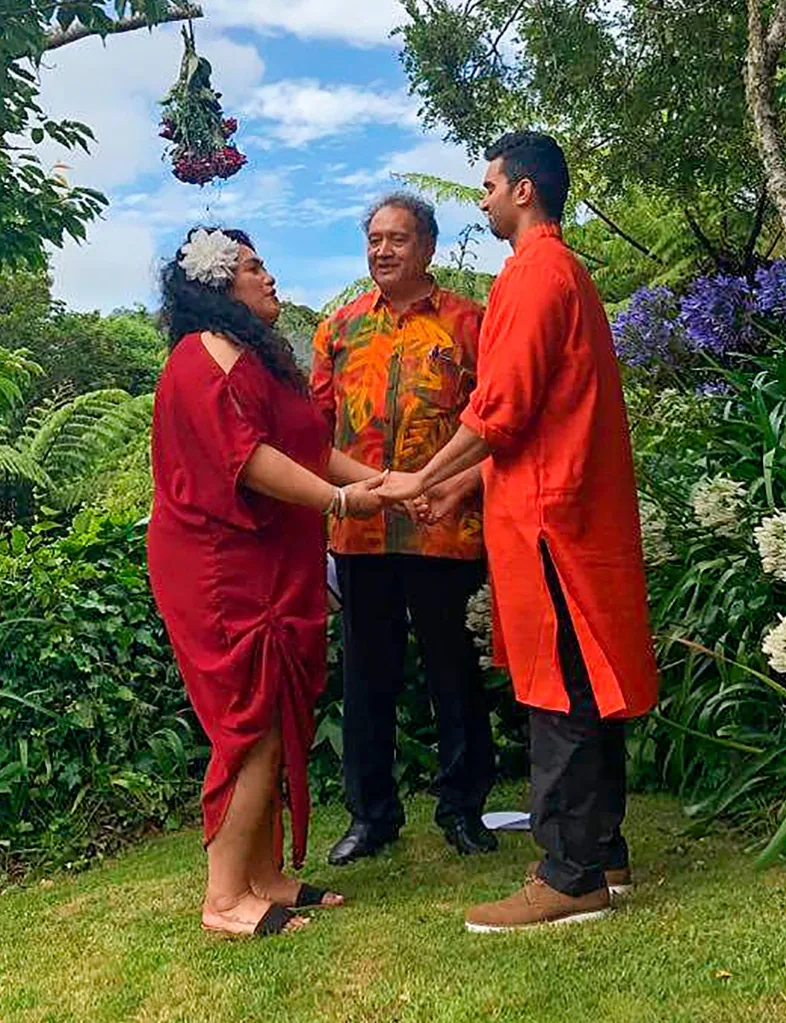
549,404
239,578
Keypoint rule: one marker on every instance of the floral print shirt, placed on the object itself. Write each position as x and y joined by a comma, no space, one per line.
392,387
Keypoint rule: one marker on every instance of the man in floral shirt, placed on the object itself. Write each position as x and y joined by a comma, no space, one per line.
392,372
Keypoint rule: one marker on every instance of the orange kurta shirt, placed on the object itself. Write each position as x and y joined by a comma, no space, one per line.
549,404
392,388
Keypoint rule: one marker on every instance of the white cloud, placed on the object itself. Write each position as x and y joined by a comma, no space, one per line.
360,22
305,110
326,277
115,267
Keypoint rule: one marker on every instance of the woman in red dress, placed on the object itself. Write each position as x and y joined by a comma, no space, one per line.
236,554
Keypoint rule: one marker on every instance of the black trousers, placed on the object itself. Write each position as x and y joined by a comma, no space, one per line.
577,773
378,593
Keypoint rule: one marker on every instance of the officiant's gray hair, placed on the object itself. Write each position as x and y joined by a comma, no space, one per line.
422,211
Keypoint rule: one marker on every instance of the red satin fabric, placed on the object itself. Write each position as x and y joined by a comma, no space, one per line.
239,578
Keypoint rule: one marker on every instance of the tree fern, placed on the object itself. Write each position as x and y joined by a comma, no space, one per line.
442,190
18,469
17,369
65,443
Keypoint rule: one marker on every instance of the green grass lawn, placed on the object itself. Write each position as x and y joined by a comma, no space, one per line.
703,939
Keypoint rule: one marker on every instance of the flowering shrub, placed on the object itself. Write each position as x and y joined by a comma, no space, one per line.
771,539
774,646
718,315
771,294
479,624
649,329
718,504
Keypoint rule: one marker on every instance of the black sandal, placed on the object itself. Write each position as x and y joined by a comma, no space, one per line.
274,921
310,897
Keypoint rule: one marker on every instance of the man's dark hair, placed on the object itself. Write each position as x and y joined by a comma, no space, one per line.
422,211
530,154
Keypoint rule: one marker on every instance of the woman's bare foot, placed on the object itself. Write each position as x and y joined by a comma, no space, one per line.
280,888
240,916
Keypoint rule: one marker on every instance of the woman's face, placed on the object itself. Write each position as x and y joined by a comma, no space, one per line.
254,286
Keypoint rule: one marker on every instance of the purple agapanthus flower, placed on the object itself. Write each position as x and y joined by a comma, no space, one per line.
717,314
713,389
646,331
771,289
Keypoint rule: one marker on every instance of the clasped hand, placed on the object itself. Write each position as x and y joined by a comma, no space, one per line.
405,491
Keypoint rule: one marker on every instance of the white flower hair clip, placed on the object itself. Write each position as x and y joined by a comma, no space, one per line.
210,257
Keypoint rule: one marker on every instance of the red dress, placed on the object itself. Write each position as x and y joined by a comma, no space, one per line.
239,578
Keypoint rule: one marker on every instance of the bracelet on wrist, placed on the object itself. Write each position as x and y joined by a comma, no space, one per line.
335,502
338,504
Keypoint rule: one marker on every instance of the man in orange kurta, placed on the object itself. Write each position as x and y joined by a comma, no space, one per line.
548,421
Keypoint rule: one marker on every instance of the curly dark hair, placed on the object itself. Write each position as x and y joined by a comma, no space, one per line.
189,306
422,211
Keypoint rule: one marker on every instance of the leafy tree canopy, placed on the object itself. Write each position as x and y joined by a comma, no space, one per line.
38,206
637,91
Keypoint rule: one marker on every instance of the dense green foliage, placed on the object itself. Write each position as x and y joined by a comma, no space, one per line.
638,93
95,739
719,737
39,206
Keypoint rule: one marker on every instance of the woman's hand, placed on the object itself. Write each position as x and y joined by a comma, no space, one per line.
363,499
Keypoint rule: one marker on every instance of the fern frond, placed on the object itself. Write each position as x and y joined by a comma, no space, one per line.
343,297
442,190
17,369
17,468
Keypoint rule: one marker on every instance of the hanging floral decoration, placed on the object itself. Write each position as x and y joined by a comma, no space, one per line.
194,123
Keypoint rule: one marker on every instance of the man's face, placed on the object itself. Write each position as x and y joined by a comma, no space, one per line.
396,252
499,202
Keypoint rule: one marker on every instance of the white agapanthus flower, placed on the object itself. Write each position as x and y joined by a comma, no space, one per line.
771,539
479,623
774,646
654,540
719,503
210,258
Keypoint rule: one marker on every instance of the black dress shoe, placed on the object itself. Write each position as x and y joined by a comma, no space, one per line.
469,835
359,840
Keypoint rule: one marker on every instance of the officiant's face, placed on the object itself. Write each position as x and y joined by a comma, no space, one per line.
255,287
397,254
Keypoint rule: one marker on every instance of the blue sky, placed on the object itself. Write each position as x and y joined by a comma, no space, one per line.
325,119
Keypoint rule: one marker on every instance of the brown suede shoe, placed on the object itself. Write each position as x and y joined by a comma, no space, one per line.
620,882
536,903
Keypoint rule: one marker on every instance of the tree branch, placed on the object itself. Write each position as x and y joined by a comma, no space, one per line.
178,12
776,38
618,230
758,223
764,52
704,241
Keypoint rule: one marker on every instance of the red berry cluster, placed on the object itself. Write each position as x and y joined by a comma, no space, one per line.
167,128
229,126
198,170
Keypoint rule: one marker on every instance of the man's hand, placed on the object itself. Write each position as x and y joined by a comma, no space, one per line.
439,502
400,487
